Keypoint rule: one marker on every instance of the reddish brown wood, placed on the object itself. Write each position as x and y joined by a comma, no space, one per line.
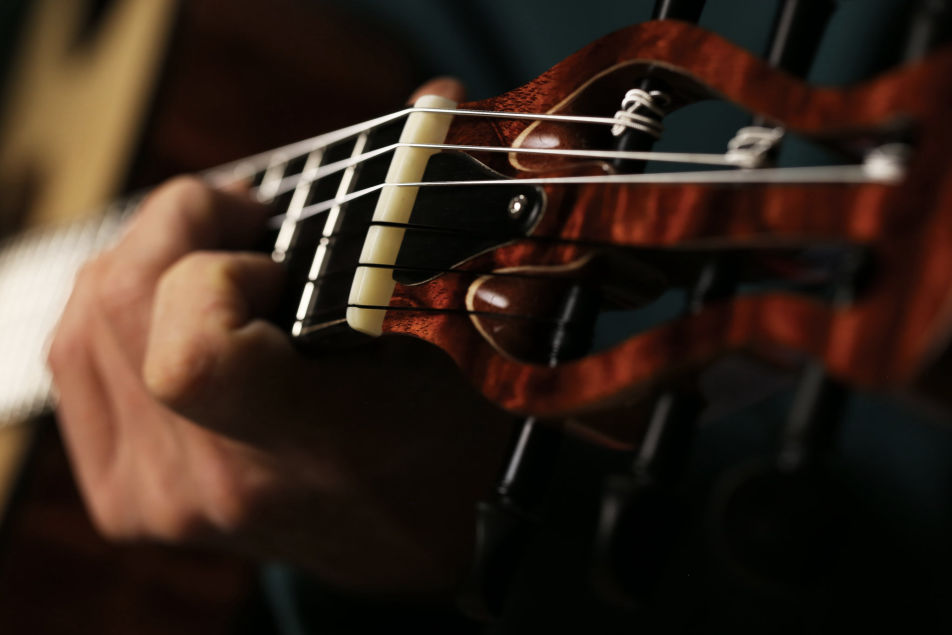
882,340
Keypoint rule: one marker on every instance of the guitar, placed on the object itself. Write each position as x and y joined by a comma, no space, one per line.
544,237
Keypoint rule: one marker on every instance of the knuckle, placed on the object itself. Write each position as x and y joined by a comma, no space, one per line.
198,266
107,517
114,530
172,521
174,513
179,365
154,508
206,281
120,289
177,375
231,513
179,193
185,202
231,507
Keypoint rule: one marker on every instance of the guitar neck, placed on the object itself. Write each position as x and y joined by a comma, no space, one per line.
37,269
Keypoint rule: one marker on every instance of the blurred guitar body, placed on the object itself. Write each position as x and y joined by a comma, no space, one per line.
105,97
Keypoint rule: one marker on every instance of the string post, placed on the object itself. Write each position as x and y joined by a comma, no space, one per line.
641,110
887,163
751,146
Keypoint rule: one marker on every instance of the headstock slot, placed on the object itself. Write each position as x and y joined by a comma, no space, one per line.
520,310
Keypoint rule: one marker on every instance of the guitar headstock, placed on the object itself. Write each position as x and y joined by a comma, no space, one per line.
820,257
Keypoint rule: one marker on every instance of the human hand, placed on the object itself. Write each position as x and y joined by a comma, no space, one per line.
190,418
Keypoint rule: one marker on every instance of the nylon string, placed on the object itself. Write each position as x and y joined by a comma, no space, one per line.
746,174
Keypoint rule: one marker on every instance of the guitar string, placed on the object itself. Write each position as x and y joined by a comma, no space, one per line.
289,183
830,175
248,166
286,154
316,324
509,238
444,310
349,270
361,230
800,284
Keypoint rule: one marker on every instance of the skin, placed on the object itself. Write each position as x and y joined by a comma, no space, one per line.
189,418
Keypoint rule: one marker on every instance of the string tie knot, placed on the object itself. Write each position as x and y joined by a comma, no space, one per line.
641,110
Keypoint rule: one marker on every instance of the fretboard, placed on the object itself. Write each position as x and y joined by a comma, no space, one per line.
37,268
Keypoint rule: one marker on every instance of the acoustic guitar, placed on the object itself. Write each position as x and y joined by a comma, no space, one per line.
509,231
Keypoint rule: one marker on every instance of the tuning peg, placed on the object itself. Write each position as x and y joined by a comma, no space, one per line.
780,529
505,525
638,528
778,521
502,534
641,514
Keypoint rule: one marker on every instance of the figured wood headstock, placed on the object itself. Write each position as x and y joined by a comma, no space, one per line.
886,336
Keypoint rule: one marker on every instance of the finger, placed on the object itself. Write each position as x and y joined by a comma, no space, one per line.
448,87
201,304
241,187
186,215
179,217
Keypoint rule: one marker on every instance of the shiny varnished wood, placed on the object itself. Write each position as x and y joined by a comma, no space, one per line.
885,338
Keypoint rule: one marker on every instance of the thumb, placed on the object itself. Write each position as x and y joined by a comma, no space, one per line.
448,87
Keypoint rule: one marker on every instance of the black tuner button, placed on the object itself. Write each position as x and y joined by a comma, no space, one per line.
637,532
776,527
502,534
505,526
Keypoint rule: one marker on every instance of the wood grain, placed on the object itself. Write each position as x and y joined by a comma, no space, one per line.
882,340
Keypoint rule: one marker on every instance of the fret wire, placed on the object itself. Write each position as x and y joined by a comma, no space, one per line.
331,225
298,199
272,177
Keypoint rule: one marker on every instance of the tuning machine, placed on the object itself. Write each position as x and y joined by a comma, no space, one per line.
778,522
